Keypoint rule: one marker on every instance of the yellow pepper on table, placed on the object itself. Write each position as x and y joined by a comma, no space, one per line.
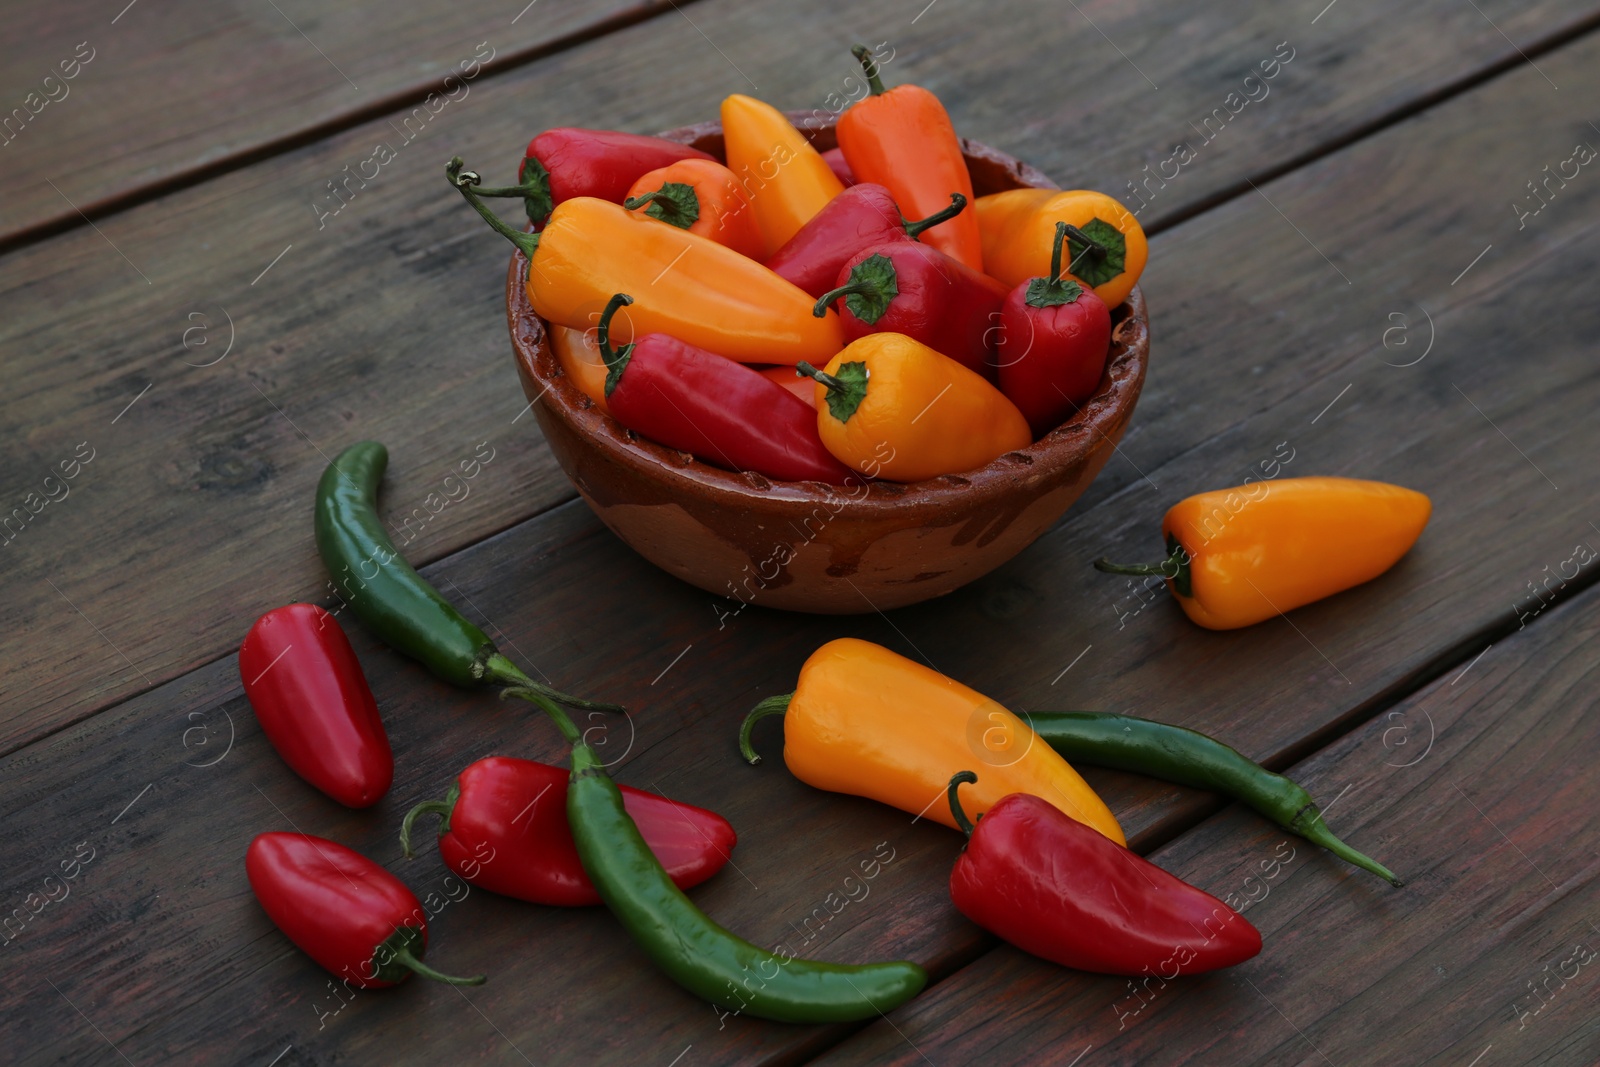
684,285
1240,556
1107,252
783,176
891,407
867,722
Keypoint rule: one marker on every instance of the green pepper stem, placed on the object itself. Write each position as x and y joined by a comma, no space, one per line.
956,781
1317,832
634,203
443,808
464,181
825,301
603,330
869,67
403,956
498,670
1089,245
806,370
1167,568
958,204
771,706
1055,252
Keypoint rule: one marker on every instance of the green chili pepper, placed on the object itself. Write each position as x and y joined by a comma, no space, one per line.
683,941
1187,757
393,600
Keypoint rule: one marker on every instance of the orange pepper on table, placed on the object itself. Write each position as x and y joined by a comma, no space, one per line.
1239,556
868,722
892,407
703,197
783,176
902,139
687,286
1018,229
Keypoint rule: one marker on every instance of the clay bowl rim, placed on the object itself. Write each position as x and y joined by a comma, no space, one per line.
1059,450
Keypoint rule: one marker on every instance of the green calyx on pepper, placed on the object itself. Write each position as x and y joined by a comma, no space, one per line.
1098,250
846,389
1055,290
873,283
675,203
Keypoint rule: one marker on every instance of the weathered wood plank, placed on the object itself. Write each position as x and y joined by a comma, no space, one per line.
384,322
1482,790
114,106
195,975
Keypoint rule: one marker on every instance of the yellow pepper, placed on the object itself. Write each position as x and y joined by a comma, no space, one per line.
578,352
870,723
891,407
1240,556
1018,230
783,176
685,285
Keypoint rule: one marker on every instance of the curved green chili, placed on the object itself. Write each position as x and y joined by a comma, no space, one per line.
688,945
393,600
1187,757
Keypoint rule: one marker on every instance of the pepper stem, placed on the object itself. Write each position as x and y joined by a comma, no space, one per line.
956,781
958,204
1316,831
771,706
442,808
404,957
616,360
1055,252
1089,245
806,370
1175,568
463,181
869,67
825,301
498,670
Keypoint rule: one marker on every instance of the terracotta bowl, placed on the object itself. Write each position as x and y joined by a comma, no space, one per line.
805,546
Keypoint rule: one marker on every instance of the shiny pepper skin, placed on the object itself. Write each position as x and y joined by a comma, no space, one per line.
1051,886
314,704
505,829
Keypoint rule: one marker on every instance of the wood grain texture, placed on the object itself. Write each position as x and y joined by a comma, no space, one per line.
1480,788
385,321
174,90
194,974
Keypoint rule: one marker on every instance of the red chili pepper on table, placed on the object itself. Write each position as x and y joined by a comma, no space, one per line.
1054,339
569,161
314,704
1053,887
721,412
861,217
504,829
908,288
341,909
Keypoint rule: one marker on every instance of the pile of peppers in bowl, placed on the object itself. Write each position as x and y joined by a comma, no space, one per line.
819,268
815,316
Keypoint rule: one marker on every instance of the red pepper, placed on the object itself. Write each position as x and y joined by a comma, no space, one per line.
314,705
341,909
721,412
1054,339
840,167
1053,887
908,288
862,216
504,829
569,161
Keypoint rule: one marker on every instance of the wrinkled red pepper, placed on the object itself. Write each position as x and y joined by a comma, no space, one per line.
504,829
910,288
569,161
1054,339
341,909
314,704
721,412
863,216
1053,887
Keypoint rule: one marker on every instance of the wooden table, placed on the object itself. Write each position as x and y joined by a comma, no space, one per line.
1350,267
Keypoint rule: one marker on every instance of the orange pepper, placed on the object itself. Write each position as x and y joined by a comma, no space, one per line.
867,722
1018,228
892,407
1240,556
902,139
689,287
785,179
578,352
703,197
